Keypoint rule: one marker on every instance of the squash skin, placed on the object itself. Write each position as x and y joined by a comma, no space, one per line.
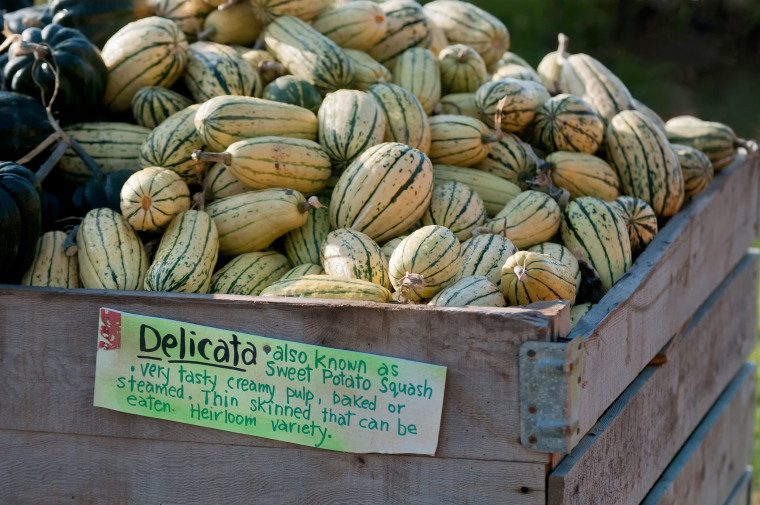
98,21
20,220
23,124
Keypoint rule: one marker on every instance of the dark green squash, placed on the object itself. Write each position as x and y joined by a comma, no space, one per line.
20,220
98,20
99,192
23,125
19,20
82,74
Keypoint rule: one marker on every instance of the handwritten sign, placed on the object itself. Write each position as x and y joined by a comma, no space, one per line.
300,393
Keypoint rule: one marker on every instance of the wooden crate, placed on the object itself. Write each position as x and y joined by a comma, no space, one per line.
742,492
492,447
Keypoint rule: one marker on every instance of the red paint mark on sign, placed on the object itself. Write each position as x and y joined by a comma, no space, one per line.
110,330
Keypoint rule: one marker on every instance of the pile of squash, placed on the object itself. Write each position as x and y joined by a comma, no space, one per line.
323,148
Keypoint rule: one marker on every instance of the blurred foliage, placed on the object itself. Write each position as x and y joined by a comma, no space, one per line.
679,57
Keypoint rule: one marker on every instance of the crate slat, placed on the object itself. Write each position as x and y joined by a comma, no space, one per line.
742,493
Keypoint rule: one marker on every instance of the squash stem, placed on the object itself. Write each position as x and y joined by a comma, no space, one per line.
224,157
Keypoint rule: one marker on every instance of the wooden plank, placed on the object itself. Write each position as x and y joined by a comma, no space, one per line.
742,493
48,359
624,454
669,281
708,466
42,468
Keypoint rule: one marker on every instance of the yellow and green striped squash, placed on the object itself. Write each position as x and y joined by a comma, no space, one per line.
224,120
510,158
528,219
578,311
187,14
383,192
367,70
406,27
249,273
696,167
148,52
306,10
639,219
171,144
109,252
215,69
237,24
263,62
583,174
495,191
186,256
587,78
509,58
651,115
389,246
301,270
475,290
152,105
303,245
405,120
431,256
329,287
461,104
462,69
152,197
485,254
459,140
308,54
593,230
350,253
561,254
529,277
456,206
220,183
717,140
567,123
550,66
417,71
354,25
515,71
350,122
51,267
295,91
519,107
647,166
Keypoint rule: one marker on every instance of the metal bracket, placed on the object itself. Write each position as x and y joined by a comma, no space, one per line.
550,379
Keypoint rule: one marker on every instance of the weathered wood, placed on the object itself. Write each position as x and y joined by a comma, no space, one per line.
48,355
624,454
42,468
669,281
708,466
742,492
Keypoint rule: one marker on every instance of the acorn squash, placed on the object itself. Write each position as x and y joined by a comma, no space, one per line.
20,220
23,124
98,21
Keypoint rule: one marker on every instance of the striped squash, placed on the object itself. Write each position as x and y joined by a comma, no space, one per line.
186,256
474,291
651,115
512,159
301,270
367,70
407,27
148,52
716,140
529,277
113,146
350,122
696,168
237,23
405,120
494,191
306,10
484,255
303,245
309,54
567,123
639,220
152,197
329,287
276,162
424,263
249,273
561,254
459,140
216,69
587,78
594,231
350,253
647,166
461,104
109,252
438,39
550,66
152,105
354,25
528,219
252,221
465,23
327,191
220,183
584,175
383,192
514,71
519,107
417,71
295,91
578,311
457,207
462,69
187,14
389,246
224,120
51,267
171,144
509,58
262,62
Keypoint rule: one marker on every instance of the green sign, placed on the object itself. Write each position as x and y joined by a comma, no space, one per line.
300,393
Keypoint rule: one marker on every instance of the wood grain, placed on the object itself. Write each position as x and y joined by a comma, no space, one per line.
624,454
742,492
706,469
47,468
677,272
